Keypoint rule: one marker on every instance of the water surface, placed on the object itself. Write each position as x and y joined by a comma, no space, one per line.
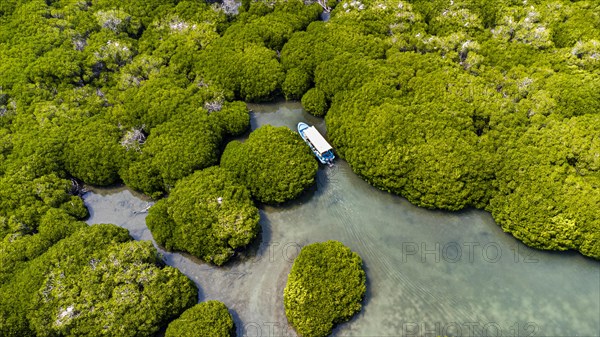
429,272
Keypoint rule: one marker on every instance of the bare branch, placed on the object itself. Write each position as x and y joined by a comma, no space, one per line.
133,139
229,7
322,3
213,106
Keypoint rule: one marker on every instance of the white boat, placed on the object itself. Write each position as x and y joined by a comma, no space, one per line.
319,146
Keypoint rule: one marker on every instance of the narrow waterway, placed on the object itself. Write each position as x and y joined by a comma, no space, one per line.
429,273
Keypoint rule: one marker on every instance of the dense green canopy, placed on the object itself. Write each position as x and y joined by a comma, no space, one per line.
458,104
94,282
245,60
325,287
143,92
210,318
207,214
274,163
562,215
174,150
93,153
315,102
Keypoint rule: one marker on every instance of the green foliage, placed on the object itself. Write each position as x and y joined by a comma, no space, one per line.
323,41
245,60
575,94
344,72
93,153
157,100
315,102
508,55
7,7
19,294
60,65
93,282
26,196
143,176
210,318
180,146
561,156
18,248
250,71
584,55
274,163
39,147
574,23
433,125
296,83
261,73
161,224
145,11
177,37
172,151
207,214
273,23
232,117
106,53
75,207
121,291
57,224
325,287
396,141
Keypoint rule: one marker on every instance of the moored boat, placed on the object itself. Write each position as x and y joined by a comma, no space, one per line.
319,146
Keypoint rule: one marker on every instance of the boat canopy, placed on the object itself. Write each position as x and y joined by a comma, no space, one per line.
317,140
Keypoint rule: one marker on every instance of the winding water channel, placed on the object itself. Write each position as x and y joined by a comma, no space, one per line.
429,272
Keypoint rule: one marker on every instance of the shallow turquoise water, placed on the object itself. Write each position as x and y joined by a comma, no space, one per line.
429,272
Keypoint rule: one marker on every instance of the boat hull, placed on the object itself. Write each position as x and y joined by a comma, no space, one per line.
326,157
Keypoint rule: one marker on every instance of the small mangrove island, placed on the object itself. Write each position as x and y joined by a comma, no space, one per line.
209,318
274,163
325,287
207,214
